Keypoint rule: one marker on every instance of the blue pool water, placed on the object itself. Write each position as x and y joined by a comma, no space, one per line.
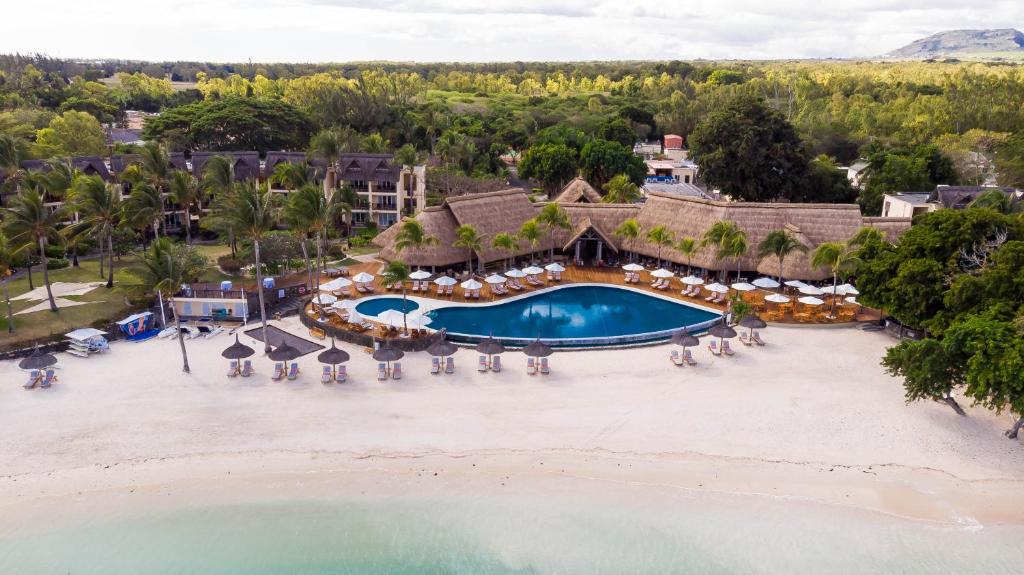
572,313
379,305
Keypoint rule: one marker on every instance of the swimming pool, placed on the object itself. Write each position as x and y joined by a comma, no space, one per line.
381,304
574,315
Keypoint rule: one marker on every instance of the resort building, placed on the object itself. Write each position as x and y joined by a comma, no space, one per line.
591,239
387,191
678,171
910,204
907,204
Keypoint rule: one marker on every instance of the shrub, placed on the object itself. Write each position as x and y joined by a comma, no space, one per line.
336,251
229,264
57,263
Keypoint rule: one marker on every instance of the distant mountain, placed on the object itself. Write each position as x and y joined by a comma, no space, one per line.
1005,43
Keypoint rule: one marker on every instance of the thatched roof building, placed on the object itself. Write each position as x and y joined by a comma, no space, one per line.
578,191
594,225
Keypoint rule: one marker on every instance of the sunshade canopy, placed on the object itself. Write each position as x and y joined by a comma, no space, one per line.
810,300
333,355
752,321
495,279
446,281
237,350
633,268
722,330
419,275
692,280
537,348
442,348
743,286
284,352
38,360
387,353
776,298
766,283
685,339
515,273
490,346
471,284
555,267
362,278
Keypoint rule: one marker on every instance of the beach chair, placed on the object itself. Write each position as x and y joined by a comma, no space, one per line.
34,377
396,371
233,370
558,276
531,366
449,365
279,370
746,340
50,378
713,347
756,337
342,374
551,277
656,283
293,373
711,297
382,372
665,285
496,363
327,376
247,368
688,358
544,369
675,357
435,365
482,364
726,349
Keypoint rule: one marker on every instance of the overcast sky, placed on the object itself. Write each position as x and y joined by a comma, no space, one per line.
490,30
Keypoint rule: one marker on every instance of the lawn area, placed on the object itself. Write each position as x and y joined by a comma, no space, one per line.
362,250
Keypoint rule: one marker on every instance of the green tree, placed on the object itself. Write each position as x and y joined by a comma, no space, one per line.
234,123
827,184
7,254
218,182
900,170
507,243
290,175
165,268
252,214
466,237
630,231
551,164
839,258
29,222
397,272
620,190
688,247
750,152
553,217
99,208
412,235
185,192
661,237
779,243
531,232
145,207
729,240
71,134
1009,160
999,201
602,160
617,130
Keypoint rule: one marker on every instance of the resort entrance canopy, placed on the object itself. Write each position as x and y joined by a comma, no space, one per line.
588,243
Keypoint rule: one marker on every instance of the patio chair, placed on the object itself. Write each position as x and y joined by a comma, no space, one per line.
435,365
34,377
247,368
726,348
688,358
544,369
496,363
293,373
382,372
531,366
50,378
748,341
756,337
279,369
449,365
676,358
233,370
482,364
342,374
713,348
396,371
327,376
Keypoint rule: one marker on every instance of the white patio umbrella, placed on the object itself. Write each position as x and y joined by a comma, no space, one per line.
419,275
633,268
345,304
395,318
354,317
776,298
495,279
335,284
325,299
362,278
743,286
533,270
849,289
810,290
515,273
555,267
717,288
446,281
692,281
851,299
662,273
809,300
794,283
766,283
471,284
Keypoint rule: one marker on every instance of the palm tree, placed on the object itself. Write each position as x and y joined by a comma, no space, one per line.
99,208
185,192
630,231
12,151
375,144
28,222
620,190
218,182
57,181
687,246
507,243
867,235
342,201
839,258
145,207
451,146
289,175
412,235
997,200
467,237
165,267
251,212
661,237
396,272
330,144
531,232
730,241
779,243
155,165
6,263
303,212
553,217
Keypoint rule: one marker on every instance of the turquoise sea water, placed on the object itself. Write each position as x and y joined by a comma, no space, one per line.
575,312
498,537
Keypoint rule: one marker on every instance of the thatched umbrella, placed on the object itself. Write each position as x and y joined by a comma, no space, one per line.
490,346
332,357
722,332
237,351
685,339
753,322
388,354
38,360
537,348
442,348
284,352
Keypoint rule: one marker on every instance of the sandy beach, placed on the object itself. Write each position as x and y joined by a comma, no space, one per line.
811,416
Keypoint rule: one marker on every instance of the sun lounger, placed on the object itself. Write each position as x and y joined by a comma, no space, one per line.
34,377
496,363
449,365
233,370
293,373
326,376
247,368
342,375
711,298
167,332
656,283
531,366
745,340
665,285
396,371
551,277
756,336
382,372
279,370
213,332
726,349
50,378
360,288
435,365
482,365
558,276
676,359
544,366
713,347
688,358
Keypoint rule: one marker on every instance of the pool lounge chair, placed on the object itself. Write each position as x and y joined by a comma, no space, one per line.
247,368
342,374
496,363
34,377
326,376
544,369
688,358
756,337
293,373
713,347
551,276
396,371
233,370
531,366
382,372
676,358
435,365
50,378
449,365
726,349
745,340
360,288
482,364
279,370
665,285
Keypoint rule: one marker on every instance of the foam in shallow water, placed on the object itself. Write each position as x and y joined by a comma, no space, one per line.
506,536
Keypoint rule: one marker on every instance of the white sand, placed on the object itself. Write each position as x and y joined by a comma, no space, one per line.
811,416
